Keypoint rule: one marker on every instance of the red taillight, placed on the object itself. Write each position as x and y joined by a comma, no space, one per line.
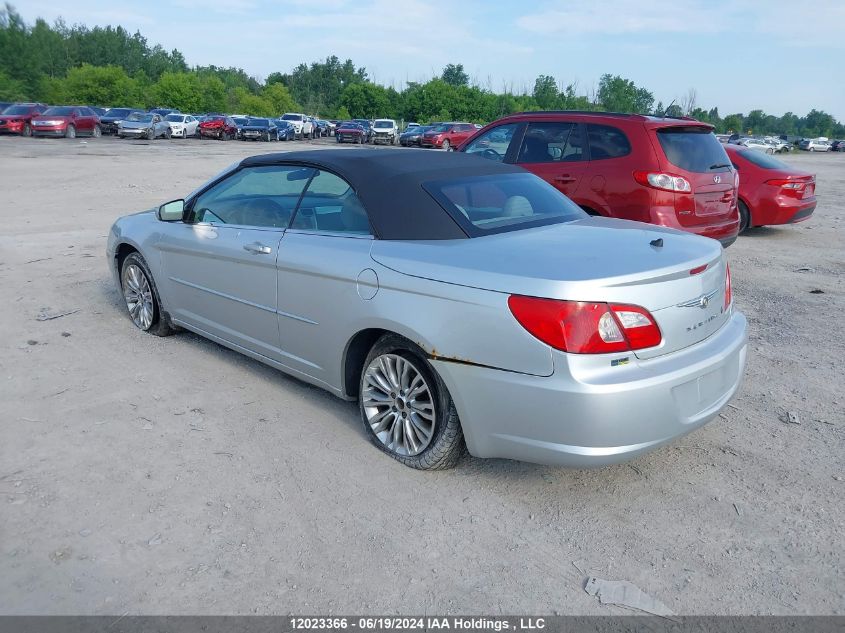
581,327
728,293
784,183
698,270
666,182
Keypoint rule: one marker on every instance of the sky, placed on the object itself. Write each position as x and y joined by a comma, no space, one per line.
776,55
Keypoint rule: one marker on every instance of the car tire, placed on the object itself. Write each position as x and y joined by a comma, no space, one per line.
447,146
27,130
151,134
168,134
393,368
97,132
812,149
70,131
770,150
744,217
141,297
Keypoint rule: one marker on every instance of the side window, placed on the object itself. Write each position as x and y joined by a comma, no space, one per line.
330,205
607,142
551,142
77,112
262,197
494,143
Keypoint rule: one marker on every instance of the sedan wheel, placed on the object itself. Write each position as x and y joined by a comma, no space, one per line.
406,408
97,133
744,217
151,134
141,296
70,132
27,130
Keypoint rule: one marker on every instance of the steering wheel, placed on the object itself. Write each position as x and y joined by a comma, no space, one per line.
491,154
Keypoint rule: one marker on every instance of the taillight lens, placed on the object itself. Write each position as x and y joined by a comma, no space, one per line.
581,327
786,184
728,293
664,181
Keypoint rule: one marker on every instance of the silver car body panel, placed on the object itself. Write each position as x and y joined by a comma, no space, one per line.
296,299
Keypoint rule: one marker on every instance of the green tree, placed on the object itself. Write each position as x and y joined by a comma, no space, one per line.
616,94
279,98
733,123
546,93
100,85
365,100
454,75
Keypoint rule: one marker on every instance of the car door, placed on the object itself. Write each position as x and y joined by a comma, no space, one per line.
556,152
220,264
325,278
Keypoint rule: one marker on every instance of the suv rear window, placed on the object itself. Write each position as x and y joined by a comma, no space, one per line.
694,149
607,142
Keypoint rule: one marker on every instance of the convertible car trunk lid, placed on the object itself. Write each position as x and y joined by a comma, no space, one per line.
678,277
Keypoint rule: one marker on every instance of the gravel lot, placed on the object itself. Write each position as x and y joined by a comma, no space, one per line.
172,476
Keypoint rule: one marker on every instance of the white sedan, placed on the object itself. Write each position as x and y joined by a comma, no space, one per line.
182,125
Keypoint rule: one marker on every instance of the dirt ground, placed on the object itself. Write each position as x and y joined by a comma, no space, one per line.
171,476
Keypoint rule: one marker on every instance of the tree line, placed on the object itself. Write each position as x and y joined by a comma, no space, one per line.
108,66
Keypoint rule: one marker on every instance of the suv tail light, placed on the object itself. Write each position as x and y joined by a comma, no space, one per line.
581,327
664,181
728,292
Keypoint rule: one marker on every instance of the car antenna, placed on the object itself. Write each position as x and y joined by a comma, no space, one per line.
667,108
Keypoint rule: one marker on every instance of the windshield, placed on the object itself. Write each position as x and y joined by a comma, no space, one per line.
383,124
694,149
240,120
58,111
145,118
118,112
292,117
763,160
444,127
17,110
175,118
349,126
503,202
259,122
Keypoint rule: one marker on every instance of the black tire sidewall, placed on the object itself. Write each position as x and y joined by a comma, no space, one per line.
744,217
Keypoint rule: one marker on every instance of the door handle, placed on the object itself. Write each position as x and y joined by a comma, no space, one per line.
564,178
257,248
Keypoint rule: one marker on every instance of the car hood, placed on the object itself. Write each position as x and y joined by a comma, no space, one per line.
212,124
136,124
595,259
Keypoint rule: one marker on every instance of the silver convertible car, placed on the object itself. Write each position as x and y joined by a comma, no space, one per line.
464,304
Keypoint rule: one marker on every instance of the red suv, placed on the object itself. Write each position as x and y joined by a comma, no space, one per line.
667,171
447,135
17,118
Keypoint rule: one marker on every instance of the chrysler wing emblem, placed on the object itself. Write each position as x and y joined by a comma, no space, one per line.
699,302
717,179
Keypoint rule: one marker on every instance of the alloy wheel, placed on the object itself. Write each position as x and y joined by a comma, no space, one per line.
139,296
398,404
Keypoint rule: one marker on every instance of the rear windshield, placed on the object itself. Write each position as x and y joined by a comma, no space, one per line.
292,117
502,202
763,160
694,149
383,124
259,122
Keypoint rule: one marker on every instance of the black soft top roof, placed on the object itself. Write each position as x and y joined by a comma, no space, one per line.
389,185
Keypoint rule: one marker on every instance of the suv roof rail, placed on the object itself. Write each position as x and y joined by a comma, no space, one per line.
593,112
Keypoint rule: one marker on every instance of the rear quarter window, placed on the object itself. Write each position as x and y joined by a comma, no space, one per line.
694,149
607,141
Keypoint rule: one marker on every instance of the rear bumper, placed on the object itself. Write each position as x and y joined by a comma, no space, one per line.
790,213
725,230
585,416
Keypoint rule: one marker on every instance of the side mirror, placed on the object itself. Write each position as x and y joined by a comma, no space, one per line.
172,211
